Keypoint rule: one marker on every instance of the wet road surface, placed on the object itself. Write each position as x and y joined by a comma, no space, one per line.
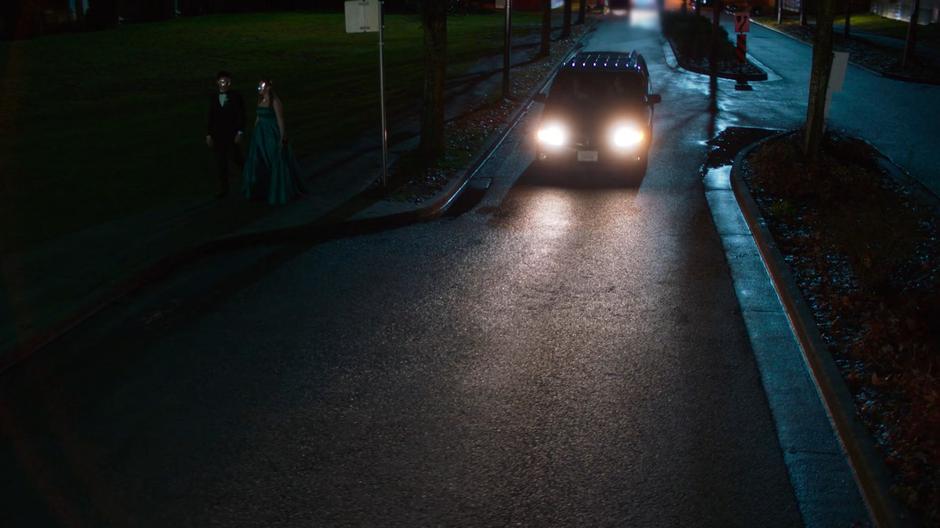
563,354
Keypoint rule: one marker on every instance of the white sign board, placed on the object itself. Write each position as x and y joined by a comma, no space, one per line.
840,63
363,16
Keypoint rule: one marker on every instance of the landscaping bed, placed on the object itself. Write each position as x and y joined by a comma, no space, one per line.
882,59
690,36
862,244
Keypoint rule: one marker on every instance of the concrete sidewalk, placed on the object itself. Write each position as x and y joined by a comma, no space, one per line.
46,286
898,118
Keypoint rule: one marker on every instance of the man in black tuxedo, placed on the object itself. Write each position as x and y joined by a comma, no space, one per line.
226,127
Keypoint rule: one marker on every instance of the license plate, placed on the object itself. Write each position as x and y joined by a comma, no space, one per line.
587,155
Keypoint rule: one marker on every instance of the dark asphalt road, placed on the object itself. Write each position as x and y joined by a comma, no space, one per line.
561,355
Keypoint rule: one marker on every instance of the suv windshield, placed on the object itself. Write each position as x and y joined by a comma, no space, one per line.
582,87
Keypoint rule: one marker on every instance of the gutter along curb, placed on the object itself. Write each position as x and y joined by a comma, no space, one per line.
869,469
318,231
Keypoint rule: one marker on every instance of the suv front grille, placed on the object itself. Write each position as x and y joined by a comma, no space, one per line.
585,141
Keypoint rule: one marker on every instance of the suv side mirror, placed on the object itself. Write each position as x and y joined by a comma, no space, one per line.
653,99
540,98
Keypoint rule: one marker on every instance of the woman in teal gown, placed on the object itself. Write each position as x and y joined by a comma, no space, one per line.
271,172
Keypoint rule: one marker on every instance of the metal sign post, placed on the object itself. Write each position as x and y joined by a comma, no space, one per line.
382,94
507,50
367,16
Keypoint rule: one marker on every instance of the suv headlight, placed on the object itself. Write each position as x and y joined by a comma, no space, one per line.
626,136
554,134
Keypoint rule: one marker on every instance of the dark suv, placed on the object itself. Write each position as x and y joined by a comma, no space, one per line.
599,111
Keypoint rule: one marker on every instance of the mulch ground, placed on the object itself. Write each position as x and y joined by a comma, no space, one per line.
864,247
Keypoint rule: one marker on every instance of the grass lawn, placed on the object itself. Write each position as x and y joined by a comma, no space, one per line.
927,35
96,126
872,23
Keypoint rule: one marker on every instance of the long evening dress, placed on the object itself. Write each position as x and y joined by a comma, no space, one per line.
271,171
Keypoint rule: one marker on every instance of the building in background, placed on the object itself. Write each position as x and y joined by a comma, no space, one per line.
27,18
901,10
526,5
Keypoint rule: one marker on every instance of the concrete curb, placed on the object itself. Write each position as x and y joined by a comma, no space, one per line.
895,171
703,71
902,78
869,469
670,56
317,231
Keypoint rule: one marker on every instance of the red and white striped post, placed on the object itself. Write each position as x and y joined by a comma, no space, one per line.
742,25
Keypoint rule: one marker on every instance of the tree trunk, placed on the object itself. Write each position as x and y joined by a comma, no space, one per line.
819,80
846,28
566,25
434,22
103,14
546,43
802,12
713,57
582,10
911,43
20,19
